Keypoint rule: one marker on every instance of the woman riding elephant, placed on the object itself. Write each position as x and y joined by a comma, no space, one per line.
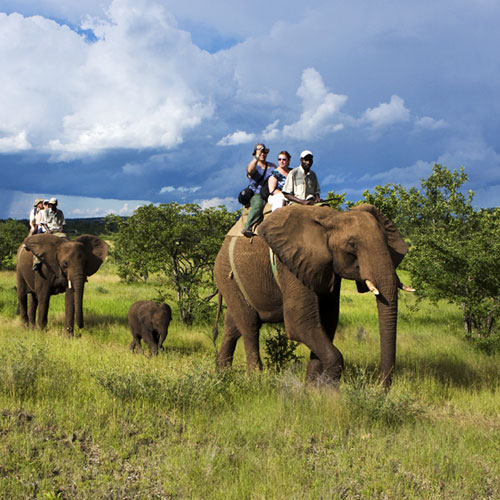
65,265
313,249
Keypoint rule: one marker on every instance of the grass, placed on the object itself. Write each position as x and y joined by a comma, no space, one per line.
84,418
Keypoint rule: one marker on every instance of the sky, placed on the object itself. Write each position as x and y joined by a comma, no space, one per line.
111,104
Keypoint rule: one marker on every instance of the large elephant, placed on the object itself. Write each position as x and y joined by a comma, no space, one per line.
65,265
313,248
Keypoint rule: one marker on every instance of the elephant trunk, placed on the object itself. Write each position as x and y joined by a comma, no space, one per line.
79,286
74,302
387,305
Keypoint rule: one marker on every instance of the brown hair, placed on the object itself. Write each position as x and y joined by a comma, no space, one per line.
286,153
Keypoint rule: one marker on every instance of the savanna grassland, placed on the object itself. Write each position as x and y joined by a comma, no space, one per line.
84,418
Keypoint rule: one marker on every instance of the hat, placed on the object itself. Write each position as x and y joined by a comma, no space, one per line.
45,202
37,201
266,150
305,153
53,201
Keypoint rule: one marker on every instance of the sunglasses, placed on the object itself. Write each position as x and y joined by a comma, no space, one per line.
282,159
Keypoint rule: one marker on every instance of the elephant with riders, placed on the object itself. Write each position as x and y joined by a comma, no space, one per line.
291,272
62,266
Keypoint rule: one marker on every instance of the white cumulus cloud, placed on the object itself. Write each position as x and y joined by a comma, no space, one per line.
14,143
428,123
320,109
387,113
181,189
237,137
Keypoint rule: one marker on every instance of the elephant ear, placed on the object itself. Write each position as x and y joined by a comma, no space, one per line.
96,251
297,236
44,246
397,246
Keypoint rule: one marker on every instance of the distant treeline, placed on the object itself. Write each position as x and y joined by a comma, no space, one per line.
92,225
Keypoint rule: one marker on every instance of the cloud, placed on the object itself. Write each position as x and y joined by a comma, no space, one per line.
406,176
387,113
142,84
271,132
14,143
428,123
181,189
320,109
230,203
237,137
72,206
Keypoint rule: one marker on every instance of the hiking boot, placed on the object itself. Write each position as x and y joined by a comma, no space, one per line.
248,233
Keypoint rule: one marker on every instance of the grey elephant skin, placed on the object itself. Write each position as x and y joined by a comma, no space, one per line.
65,266
149,321
314,248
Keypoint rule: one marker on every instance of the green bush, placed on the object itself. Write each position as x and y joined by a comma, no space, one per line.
280,351
12,234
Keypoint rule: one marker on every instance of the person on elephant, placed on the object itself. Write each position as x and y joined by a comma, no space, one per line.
35,210
301,185
40,228
277,180
258,171
53,219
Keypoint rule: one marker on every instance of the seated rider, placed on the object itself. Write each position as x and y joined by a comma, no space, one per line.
52,222
301,185
277,180
258,171
53,219
37,208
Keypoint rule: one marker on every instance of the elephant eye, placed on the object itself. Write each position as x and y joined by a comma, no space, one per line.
351,246
65,263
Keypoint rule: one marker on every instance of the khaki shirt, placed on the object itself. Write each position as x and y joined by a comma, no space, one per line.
53,220
300,184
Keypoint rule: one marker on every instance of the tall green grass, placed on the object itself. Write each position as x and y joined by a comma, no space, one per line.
84,418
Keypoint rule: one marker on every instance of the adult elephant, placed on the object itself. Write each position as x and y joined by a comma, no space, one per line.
65,265
313,248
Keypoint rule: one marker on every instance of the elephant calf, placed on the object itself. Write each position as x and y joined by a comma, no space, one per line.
149,321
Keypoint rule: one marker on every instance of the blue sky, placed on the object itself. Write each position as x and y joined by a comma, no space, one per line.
110,104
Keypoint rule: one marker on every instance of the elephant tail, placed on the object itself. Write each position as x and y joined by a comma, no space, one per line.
215,332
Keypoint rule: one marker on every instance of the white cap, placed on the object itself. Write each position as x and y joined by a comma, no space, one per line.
53,201
305,153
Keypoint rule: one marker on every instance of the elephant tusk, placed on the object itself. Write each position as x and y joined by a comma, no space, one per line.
406,288
69,283
372,287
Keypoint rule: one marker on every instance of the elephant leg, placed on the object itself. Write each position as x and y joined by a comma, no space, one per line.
32,309
305,323
248,326
43,309
229,341
149,338
329,313
136,342
161,339
22,299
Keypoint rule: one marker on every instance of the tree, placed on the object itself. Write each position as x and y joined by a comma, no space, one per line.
12,234
454,247
178,241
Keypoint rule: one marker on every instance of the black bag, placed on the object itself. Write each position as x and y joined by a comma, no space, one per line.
264,191
245,196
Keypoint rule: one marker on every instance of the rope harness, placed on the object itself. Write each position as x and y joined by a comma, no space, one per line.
234,272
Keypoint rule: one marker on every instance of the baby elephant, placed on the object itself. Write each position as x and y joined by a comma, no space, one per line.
149,320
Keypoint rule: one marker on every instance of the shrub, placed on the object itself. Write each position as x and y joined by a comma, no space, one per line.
280,351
